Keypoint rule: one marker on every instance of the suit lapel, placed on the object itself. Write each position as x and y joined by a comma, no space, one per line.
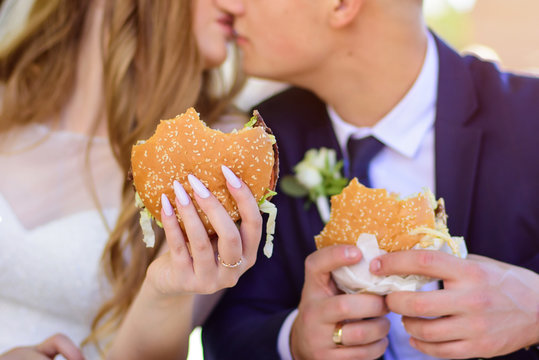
457,143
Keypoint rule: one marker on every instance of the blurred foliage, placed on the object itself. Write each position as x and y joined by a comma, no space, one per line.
452,25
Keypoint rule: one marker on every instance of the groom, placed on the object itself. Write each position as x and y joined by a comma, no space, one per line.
369,69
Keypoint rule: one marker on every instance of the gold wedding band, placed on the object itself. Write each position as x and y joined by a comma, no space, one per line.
230,266
337,334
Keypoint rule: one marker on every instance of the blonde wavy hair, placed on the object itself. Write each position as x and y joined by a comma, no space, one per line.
152,71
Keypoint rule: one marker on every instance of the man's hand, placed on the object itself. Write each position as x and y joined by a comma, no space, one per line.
322,306
487,308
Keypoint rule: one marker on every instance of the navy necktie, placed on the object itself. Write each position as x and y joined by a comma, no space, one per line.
360,154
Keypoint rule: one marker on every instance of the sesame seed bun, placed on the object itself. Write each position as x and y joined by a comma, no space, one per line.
185,145
358,209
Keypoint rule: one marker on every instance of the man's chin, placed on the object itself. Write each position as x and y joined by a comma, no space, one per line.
262,71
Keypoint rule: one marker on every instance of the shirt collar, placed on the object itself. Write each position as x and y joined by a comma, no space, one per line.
404,127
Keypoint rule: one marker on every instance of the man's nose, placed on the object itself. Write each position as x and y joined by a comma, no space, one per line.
234,7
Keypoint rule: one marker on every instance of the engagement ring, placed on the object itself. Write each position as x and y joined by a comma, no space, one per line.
230,266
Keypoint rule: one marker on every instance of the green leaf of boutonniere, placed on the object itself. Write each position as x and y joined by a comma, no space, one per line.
291,186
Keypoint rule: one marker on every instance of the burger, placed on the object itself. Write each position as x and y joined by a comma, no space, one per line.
185,145
379,222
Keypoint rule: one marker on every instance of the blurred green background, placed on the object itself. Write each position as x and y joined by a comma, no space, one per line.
505,31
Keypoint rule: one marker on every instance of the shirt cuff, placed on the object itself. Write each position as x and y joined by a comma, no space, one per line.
283,341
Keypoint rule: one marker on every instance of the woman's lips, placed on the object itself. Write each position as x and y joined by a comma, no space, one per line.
227,23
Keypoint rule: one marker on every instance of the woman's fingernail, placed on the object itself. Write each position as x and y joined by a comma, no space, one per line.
167,207
351,252
230,177
181,194
376,265
198,187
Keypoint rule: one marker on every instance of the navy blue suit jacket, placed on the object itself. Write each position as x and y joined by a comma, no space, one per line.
487,170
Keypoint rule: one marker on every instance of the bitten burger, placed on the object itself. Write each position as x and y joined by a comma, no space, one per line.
185,145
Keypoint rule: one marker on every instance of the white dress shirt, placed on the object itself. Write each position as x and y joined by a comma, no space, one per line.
405,165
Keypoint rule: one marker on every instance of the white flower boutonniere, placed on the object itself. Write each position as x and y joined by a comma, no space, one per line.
318,176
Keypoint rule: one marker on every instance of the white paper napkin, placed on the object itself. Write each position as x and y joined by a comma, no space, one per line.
358,278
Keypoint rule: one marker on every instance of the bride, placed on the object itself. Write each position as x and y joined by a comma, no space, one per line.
80,83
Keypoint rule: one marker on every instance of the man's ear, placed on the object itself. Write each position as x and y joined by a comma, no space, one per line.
344,12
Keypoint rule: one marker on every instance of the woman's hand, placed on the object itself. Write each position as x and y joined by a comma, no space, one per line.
195,268
159,321
48,349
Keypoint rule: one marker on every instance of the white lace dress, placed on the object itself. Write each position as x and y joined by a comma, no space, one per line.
52,235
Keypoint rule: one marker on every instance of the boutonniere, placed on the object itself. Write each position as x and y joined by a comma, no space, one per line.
318,176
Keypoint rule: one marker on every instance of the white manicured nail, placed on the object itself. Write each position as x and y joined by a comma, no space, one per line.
181,194
167,208
198,187
231,178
